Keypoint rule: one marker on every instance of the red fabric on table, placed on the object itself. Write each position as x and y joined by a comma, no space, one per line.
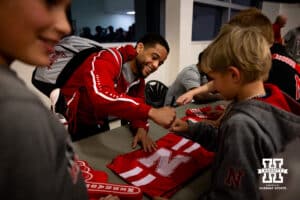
97,186
164,171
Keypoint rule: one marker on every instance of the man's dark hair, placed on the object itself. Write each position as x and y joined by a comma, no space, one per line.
151,39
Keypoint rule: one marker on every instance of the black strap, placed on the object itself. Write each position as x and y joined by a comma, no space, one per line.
68,49
73,64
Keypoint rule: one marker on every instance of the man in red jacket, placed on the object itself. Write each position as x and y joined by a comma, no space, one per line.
280,22
111,82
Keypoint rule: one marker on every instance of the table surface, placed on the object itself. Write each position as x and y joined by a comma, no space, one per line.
100,149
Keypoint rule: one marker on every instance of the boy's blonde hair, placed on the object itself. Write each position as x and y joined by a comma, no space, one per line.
242,47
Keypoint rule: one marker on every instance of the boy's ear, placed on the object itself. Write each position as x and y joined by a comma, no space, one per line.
139,47
235,74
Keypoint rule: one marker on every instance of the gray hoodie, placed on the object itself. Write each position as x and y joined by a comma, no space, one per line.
250,131
37,159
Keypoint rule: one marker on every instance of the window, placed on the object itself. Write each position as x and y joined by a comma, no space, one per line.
210,15
206,16
245,2
103,20
116,20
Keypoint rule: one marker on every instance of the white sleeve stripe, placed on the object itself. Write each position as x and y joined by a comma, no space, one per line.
116,57
192,120
95,85
144,181
132,172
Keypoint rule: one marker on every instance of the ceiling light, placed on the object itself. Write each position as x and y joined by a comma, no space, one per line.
130,12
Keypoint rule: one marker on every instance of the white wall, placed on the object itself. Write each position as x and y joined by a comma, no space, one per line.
179,34
170,67
292,11
271,10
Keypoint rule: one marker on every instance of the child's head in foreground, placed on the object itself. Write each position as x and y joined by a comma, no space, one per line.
31,28
238,56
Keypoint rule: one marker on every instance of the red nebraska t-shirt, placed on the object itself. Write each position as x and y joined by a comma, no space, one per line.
164,171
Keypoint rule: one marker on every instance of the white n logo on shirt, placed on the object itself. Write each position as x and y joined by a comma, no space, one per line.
162,159
166,165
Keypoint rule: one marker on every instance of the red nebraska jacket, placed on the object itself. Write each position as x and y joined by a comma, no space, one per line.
98,89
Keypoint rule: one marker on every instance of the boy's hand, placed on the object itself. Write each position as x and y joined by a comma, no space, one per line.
164,116
147,143
179,126
201,90
185,98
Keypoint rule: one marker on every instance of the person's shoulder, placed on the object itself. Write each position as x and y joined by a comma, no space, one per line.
25,115
248,119
190,69
251,109
275,26
19,105
236,113
12,87
128,52
266,113
277,48
110,56
238,126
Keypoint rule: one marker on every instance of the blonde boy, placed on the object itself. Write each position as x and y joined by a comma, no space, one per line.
254,124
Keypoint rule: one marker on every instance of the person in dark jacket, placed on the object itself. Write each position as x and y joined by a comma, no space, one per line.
285,72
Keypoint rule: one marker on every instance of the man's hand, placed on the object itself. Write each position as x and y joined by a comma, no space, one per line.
163,116
147,143
179,126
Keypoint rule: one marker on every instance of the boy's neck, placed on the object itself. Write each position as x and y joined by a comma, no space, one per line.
251,90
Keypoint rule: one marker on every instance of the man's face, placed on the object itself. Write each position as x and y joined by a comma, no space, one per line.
283,21
149,59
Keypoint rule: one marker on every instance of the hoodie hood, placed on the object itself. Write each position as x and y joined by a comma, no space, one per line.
280,125
277,114
283,128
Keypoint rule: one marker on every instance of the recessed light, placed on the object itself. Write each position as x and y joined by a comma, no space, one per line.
130,12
